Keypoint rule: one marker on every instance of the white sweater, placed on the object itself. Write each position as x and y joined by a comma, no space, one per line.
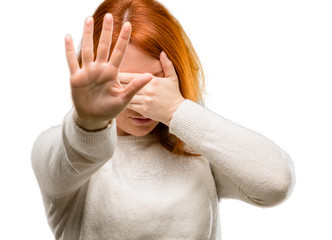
100,186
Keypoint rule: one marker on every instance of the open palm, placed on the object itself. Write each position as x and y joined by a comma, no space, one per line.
96,90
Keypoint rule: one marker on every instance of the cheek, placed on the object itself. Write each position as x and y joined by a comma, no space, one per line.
121,118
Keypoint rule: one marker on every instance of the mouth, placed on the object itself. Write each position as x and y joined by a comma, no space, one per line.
141,120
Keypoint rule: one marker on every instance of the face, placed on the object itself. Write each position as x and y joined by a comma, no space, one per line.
128,121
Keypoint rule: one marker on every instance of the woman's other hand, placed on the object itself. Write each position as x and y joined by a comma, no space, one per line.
159,99
96,90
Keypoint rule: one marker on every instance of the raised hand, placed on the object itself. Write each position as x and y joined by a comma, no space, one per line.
161,97
96,90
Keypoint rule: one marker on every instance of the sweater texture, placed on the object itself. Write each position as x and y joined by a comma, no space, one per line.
100,186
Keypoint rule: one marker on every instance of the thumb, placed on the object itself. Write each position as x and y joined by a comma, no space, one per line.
167,66
136,84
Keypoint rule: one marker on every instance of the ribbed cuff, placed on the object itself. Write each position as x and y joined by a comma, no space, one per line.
96,145
190,123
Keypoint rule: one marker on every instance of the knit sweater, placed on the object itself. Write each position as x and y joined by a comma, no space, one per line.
100,186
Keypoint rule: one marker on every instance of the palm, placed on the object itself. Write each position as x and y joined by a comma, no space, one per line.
96,91
99,90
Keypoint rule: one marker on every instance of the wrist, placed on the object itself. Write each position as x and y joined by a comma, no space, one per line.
168,122
90,125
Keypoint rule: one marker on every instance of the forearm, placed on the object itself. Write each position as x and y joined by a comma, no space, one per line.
261,170
64,157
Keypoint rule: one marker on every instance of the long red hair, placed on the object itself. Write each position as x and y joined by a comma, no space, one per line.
155,29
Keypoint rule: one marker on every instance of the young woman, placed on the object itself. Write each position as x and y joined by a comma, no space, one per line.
139,156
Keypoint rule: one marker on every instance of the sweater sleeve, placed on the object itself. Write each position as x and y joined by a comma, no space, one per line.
64,157
245,165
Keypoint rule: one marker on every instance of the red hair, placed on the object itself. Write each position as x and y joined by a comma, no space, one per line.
155,29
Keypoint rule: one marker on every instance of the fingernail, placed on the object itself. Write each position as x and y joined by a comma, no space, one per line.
164,54
108,16
89,20
127,22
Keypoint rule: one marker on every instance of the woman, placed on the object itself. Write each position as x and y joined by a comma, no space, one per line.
138,156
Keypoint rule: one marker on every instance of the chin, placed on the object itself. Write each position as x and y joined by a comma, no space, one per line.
141,134
138,131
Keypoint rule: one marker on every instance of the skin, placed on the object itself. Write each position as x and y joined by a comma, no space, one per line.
136,61
101,93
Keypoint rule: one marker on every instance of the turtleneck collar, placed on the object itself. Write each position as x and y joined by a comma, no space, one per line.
136,139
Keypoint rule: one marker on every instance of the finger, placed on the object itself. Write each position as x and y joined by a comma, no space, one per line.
135,85
137,99
71,55
135,107
127,77
139,93
87,42
123,85
121,46
167,65
105,38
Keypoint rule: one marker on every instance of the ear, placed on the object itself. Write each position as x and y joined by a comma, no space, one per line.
167,66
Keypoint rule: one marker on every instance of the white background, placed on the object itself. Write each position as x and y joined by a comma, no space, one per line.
268,65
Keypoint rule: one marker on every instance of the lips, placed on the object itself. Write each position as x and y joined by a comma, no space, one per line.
141,118
141,121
